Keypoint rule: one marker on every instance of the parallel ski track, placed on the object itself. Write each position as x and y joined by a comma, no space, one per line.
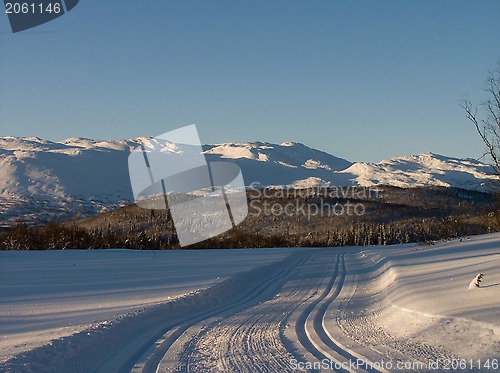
245,333
311,331
121,347
249,341
252,339
319,321
262,290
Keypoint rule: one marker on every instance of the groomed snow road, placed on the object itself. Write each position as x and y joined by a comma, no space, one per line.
269,319
332,310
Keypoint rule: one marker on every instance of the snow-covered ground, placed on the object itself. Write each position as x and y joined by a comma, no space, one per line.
400,308
50,294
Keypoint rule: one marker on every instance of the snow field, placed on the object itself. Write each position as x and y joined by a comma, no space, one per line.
46,295
357,309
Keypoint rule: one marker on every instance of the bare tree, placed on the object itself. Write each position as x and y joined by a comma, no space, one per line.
488,126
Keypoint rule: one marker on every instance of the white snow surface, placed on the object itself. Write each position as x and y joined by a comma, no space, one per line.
49,294
425,170
404,303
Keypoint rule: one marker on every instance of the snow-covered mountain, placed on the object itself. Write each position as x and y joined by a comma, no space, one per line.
44,179
426,170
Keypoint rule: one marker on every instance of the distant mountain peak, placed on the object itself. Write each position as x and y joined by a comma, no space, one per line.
44,177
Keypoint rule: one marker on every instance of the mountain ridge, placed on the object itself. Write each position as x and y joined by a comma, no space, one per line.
41,178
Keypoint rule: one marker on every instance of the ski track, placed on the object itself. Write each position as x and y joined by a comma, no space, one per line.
247,341
256,321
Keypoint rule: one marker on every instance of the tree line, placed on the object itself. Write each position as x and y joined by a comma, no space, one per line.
395,216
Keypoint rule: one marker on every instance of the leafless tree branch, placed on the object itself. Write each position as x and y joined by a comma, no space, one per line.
488,127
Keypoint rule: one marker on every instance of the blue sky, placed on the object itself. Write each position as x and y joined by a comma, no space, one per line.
364,80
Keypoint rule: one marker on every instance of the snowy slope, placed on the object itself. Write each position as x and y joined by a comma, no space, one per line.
404,303
272,164
76,176
84,176
425,170
61,293
79,176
